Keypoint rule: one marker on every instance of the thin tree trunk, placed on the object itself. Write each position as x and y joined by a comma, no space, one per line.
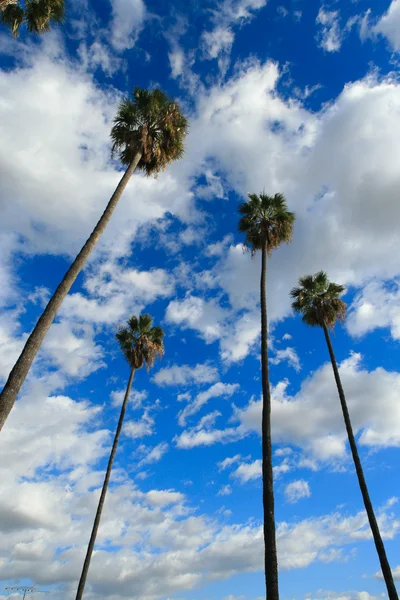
21,368
380,548
271,559
100,506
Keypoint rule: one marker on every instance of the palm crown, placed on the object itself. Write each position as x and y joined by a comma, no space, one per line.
140,342
152,124
36,14
317,299
266,221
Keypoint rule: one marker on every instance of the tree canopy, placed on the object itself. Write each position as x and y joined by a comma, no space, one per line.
150,123
140,342
37,15
318,300
266,221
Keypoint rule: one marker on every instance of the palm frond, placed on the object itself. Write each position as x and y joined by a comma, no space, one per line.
149,123
318,301
12,16
41,14
140,342
265,221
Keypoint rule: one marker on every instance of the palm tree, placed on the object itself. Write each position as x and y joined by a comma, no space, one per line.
148,133
38,15
267,223
318,300
141,344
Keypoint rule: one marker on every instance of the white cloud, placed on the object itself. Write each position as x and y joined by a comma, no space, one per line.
218,42
327,595
115,292
72,348
225,490
177,61
214,188
136,398
296,490
248,471
184,375
215,391
66,130
288,354
151,455
140,427
395,572
203,434
197,313
376,305
164,497
218,248
98,55
330,35
304,421
317,428
389,25
229,461
153,531
128,20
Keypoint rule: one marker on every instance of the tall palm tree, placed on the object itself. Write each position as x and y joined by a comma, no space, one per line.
148,133
141,344
266,223
37,15
318,300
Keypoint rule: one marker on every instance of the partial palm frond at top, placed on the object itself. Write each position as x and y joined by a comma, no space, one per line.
37,15
152,124
318,300
266,220
140,342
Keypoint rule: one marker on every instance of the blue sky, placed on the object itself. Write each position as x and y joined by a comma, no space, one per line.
300,97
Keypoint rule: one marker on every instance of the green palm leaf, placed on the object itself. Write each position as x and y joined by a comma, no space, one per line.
318,300
149,123
265,221
140,342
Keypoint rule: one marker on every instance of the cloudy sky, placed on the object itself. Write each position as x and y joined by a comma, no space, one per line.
292,96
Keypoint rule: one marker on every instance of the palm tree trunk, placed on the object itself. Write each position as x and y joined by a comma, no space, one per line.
380,548
96,523
21,368
271,559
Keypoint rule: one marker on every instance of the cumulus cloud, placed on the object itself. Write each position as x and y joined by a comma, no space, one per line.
389,25
218,41
128,21
289,355
376,305
330,35
152,531
215,391
184,375
115,292
151,455
69,136
72,349
225,490
247,471
317,427
140,427
296,490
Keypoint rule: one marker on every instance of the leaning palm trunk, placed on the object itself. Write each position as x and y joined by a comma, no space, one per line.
271,560
100,506
32,346
380,548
